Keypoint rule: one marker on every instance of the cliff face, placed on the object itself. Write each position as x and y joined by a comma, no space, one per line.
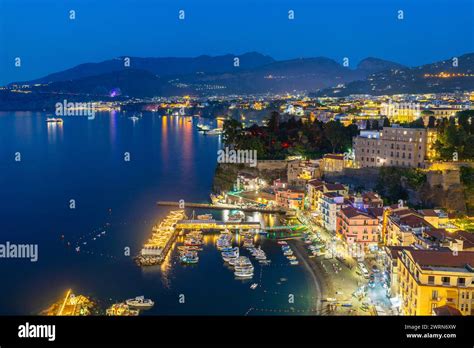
226,173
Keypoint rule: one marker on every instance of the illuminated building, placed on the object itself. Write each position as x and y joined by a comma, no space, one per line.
393,146
430,279
357,227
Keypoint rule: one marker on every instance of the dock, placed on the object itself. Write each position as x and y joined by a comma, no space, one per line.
217,225
163,235
275,210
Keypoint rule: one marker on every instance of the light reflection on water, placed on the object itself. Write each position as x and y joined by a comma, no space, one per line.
83,159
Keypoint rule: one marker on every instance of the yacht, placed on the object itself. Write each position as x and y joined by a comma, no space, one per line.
233,253
243,267
140,302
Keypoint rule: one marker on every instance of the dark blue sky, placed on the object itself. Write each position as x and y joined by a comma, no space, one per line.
40,32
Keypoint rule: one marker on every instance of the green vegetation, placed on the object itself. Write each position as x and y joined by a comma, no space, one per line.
456,137
293,137
393,183
467,179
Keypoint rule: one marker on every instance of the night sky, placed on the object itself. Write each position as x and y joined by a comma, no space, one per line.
41,33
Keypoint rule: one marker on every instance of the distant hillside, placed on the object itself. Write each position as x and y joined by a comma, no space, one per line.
256,73
160,66
372,65
423,79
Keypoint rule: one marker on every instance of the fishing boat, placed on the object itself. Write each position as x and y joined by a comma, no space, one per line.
294,262
140,302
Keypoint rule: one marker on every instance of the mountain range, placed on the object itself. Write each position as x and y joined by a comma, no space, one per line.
249,73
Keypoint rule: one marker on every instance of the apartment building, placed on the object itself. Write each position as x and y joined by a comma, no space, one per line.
290,198
357,228
402,227
316,188
329,205
430,279
299,172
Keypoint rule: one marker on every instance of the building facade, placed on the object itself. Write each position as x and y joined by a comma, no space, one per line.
393,146
430,279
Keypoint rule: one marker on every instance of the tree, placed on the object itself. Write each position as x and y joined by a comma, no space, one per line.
432,122
232,131
274,121
334,132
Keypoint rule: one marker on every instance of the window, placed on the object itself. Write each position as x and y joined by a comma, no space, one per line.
431,280
446,280
434,295
462,281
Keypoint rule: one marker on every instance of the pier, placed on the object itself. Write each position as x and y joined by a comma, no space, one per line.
276,210
157,247
217,225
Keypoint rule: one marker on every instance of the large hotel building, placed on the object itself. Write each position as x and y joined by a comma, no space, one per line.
393,146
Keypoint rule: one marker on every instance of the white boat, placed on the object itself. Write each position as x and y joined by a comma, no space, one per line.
203,127
253,286
232,254
243,267
215,131
135,117
140,302
294,262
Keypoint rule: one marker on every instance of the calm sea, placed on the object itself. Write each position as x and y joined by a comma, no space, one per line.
83,160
